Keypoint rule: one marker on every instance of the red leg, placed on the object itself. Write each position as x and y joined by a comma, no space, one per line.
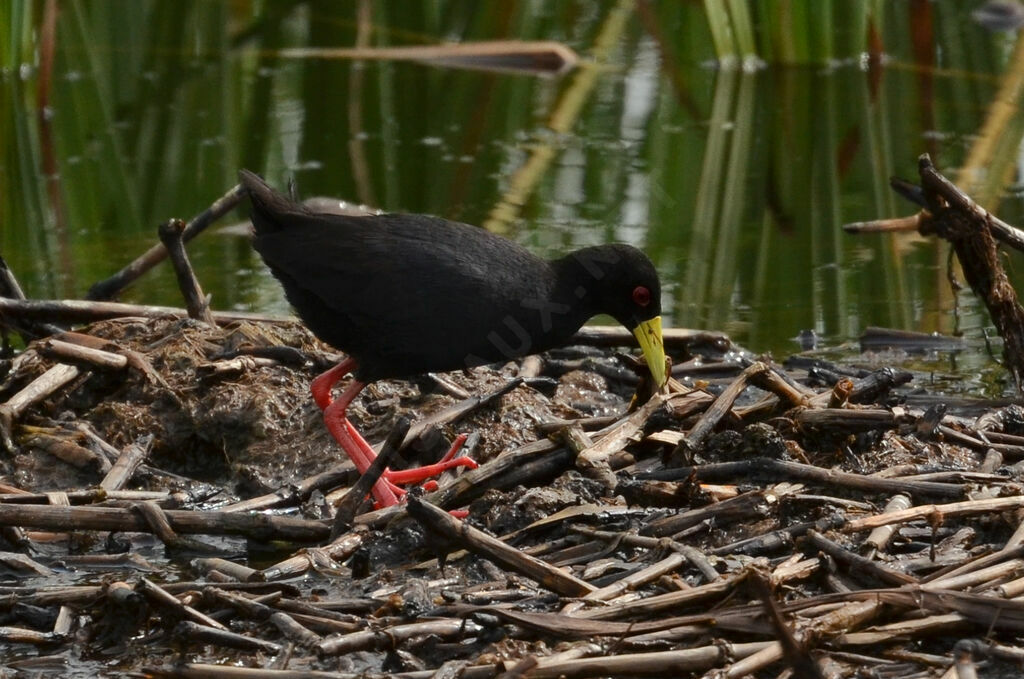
336,419
385,491
322,385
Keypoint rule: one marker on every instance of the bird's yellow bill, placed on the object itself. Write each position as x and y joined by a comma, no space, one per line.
648,334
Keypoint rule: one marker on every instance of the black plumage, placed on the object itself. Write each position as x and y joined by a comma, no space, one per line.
406,294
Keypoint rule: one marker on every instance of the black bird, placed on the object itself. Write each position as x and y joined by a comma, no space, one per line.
406,294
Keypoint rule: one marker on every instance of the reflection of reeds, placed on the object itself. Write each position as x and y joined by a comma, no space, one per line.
563,117
356,100
706,222
47,147
788,31
993,156
126,136
731,29
23,198
768,201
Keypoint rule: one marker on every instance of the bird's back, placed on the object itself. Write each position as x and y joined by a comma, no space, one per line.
403,294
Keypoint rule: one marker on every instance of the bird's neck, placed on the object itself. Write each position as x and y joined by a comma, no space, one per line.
577,285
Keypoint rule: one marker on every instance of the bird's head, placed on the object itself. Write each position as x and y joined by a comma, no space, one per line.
625,285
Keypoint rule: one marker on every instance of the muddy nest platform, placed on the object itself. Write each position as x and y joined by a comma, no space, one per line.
169,494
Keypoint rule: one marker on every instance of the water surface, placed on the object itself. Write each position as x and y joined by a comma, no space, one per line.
735,180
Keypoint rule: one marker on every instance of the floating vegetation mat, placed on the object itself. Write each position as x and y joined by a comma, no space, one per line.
169,491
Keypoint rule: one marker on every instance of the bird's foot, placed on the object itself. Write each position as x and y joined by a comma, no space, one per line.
449,461
386,492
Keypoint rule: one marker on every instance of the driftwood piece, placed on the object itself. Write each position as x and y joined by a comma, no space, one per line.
127,463
938,513
390,637
795,471
859,563
237,571
43,386
339,474
171,233
477,541
161,597
10,288
778,383
23,564
285,624
85,311
623,585
108,354
880,537
79,497
744,507
90,355
711,417
951,214
160,525
663,602
979,563
329,555
535,57
257,526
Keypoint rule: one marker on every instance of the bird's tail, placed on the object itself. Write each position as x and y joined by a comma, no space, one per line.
269,205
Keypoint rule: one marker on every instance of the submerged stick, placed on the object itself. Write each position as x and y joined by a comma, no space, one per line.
196,633
164,599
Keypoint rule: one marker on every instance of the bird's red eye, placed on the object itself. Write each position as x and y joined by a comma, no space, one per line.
641,295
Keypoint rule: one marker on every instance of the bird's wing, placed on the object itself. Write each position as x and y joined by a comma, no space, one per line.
411,283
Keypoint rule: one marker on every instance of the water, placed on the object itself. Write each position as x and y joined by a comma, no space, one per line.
736,183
